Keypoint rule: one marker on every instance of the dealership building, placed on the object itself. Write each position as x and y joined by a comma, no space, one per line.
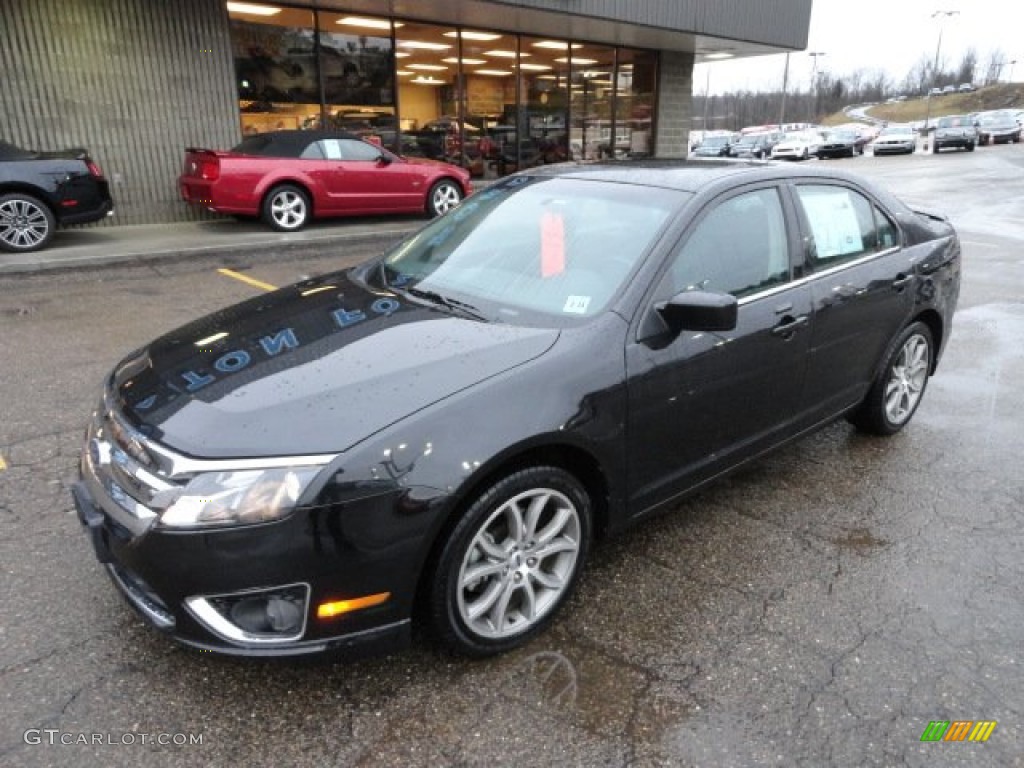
493,85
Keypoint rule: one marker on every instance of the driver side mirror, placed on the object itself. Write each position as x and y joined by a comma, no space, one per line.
699,311
384,159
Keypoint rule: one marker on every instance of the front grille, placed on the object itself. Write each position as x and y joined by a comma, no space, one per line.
121,464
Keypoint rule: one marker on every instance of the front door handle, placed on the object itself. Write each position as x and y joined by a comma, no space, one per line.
789,326
901,281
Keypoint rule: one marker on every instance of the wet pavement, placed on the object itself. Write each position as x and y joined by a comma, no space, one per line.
819,608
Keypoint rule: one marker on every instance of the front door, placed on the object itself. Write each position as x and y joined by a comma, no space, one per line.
701,402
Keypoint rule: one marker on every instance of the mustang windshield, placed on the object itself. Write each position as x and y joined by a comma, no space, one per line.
554,246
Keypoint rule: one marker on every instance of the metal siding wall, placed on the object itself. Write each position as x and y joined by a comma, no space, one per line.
134,81
774,22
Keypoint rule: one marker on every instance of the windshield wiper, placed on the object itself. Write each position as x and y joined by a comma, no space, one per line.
446,301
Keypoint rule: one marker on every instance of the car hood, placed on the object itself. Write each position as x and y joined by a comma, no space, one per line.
310,369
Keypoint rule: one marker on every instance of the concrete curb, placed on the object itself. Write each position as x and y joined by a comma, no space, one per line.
138,250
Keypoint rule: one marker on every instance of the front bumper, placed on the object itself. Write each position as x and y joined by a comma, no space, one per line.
202,586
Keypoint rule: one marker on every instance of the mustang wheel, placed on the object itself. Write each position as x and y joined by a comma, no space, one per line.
286,208
899,387
443,196
26,223
511,561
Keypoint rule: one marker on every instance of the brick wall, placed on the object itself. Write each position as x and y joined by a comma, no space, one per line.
675,104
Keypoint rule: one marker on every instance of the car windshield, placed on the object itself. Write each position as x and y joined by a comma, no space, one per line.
715,141
533,251
895,129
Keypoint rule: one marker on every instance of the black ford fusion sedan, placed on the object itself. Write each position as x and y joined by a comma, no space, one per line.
438,435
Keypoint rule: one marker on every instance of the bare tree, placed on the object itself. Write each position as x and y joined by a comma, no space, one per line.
967,70
994,66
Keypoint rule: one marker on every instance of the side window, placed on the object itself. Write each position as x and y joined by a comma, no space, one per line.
313,152
842,224
888,234
740,247
352,149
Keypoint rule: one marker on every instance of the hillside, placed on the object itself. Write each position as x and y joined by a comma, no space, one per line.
1000,96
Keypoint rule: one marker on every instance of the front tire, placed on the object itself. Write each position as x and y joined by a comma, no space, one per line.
286,208
511,562
443,196
900,385
26,223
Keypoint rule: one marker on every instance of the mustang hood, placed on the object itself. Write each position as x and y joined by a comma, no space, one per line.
310,369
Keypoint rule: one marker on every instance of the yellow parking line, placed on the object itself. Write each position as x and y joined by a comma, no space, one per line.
248,280
3,464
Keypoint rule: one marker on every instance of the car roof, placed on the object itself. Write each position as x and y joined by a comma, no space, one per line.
289,143
683,175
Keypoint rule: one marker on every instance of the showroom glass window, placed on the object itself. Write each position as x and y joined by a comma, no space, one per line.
635,89
275,64
428,78
544,117
844,225
591,99
490,101
740,247
358,73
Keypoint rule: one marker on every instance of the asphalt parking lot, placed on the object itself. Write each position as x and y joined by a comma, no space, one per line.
819,608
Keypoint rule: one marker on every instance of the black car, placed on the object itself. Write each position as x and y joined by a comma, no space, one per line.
958,131
840,144
439,433
41,190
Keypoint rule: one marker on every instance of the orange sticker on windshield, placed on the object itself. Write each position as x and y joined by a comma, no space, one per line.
552,244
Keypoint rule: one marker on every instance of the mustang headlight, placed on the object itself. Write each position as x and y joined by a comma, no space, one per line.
236,497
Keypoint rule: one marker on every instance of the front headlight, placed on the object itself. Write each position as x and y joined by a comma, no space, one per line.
238,497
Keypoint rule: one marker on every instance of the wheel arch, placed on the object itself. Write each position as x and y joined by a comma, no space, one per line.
38,193
284,182
574,459
933,321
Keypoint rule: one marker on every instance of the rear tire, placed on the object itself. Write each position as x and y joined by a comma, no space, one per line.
899,386
970,146
26,223
511,562
286,208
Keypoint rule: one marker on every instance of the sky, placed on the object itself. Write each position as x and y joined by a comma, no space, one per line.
886,35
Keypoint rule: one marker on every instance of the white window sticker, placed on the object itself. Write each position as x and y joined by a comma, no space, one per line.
577,305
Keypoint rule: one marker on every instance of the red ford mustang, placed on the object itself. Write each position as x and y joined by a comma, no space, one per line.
289,177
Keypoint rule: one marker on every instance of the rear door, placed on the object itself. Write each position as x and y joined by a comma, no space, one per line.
701,402
862,288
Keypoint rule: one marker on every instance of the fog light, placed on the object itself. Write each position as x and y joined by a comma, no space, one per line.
265,616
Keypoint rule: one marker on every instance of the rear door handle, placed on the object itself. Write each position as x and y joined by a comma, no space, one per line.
789,326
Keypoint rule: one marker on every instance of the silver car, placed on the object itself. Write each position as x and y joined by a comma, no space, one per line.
895,140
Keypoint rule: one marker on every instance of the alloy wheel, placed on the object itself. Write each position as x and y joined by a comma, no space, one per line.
519,563
24,224
907,378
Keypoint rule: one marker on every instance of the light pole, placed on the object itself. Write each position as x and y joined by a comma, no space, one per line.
785,83
941,16
814,78
1010,78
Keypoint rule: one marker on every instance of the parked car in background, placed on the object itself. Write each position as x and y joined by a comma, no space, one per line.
895,139
965,88
440,433
797,146
291,177
757,145
714,146
935,92
949,89
40,191
998,127
839,143
956,131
